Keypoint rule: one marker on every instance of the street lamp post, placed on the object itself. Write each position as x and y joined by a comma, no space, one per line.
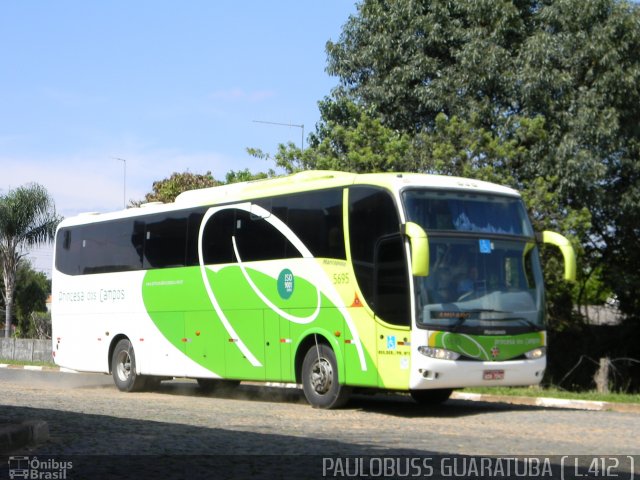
287,125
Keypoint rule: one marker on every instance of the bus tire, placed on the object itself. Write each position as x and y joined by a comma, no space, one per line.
123,368
320,380
431,397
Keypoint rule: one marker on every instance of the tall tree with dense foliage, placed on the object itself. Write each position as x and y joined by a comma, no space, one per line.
30,296
27,218
543,95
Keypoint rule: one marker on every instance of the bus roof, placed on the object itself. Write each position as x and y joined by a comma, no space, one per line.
295,183
321,179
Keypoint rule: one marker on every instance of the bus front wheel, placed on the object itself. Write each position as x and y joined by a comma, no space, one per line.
320,378
123,368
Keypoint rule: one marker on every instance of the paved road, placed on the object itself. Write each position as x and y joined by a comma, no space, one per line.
88,416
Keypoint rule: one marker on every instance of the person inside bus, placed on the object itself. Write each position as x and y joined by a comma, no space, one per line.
465,276
455,281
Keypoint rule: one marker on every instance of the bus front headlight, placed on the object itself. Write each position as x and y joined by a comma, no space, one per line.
439,353
536,353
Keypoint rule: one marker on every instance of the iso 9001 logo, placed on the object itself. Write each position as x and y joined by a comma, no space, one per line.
37,469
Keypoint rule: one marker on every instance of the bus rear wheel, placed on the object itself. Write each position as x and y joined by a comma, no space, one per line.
320,380
431,397
123,368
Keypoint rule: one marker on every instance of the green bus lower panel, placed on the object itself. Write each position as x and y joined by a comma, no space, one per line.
275,358
244,350
171,324
205,341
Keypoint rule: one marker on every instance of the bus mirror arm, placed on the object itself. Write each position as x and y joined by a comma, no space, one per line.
419,248
568,253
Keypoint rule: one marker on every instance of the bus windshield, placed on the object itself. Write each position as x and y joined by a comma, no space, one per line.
484,274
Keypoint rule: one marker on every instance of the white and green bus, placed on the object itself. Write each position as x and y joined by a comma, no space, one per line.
336,281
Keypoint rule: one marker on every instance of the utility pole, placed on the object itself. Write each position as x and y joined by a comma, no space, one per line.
287,125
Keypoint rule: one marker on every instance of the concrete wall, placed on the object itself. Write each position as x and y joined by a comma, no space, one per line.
28,350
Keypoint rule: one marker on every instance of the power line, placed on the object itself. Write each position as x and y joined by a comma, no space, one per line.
287,125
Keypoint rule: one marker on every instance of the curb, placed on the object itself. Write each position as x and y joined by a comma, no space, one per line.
545,402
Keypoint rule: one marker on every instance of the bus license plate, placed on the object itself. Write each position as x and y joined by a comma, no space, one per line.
493,375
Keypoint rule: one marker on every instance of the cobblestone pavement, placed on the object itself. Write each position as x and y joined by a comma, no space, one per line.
87,416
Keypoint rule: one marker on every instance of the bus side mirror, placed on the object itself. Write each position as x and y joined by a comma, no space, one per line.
569,255
419,248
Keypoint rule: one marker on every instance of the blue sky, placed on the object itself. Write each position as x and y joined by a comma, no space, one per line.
168,86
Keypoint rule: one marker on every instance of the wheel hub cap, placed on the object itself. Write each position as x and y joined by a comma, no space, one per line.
322,376
124,366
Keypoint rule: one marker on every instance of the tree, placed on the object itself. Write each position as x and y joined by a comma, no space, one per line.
168,189
514,90
27,218
233,176
32,289
362,145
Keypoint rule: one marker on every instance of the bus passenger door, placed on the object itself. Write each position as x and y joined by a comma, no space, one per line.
277,348
393,312
394,355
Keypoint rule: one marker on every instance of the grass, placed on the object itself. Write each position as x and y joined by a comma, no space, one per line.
552,392
27,362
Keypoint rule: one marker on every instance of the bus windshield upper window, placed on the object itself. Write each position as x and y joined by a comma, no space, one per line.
467,212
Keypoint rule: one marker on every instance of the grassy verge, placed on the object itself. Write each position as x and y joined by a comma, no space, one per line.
24,362
557,393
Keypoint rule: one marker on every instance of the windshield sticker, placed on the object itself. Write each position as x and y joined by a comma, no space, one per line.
485,246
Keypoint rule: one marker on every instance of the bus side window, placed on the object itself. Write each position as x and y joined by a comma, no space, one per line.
193,230
315,218
69,251
114,246
217,246
165,241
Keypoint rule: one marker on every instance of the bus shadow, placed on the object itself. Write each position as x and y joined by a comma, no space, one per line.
403,406
393,404
87,445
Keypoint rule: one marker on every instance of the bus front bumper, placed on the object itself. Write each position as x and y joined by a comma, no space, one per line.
428,373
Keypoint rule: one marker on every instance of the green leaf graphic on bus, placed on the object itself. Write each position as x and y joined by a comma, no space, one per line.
178,304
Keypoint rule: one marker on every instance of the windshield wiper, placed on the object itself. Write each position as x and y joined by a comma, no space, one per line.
462,316
484,310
